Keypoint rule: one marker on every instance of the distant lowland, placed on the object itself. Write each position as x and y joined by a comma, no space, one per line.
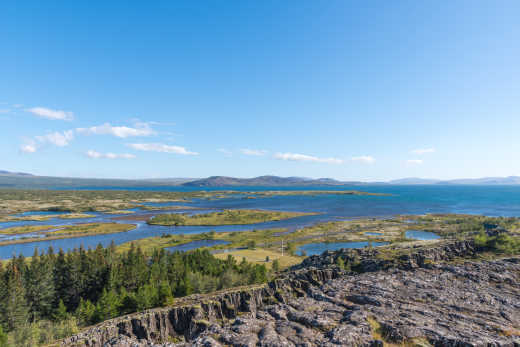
10,179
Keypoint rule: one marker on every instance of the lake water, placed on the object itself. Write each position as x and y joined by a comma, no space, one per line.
318,248
485,200
421,235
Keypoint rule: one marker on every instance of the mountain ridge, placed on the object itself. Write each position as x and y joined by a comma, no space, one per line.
10,179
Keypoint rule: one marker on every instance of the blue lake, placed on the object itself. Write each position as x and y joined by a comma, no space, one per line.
318,248
421,235
485,200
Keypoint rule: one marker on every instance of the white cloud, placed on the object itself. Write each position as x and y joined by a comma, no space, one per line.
254,152
28,148
160,147
366,159
96,155
226,152
423,151
141,129
51,114
414,161
4,110
57,138
306,158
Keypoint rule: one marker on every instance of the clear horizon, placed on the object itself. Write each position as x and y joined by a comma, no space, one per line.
354,92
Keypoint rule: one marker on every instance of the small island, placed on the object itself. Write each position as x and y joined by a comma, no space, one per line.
226,217
36,233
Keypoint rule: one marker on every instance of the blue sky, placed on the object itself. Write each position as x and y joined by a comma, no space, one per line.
352,90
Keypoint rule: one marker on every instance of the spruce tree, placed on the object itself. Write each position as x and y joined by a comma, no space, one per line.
40,286
60,314
16,312
165,294
3,338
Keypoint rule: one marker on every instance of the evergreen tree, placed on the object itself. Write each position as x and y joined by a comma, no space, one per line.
16,312
107,306
60,314
85,312
165,296
40,286
276,265
3,338
128,302
62,279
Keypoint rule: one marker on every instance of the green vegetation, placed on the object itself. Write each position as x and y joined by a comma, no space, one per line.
42,218
226,217
256,245
259,255
51,295
26,229
94,229
502,243
17,200
70,231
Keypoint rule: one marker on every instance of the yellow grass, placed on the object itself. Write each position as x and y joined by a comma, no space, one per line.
259,255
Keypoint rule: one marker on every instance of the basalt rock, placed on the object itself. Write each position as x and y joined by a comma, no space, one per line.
416,299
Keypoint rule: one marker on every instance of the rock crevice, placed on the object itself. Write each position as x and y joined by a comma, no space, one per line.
413,298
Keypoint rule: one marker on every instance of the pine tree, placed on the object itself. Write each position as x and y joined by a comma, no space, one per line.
40,286
276,265
3,338
62,278
16,312
60,314
129,302
85,312
107,306
165,297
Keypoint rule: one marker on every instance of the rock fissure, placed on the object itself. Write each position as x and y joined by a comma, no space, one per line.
414,298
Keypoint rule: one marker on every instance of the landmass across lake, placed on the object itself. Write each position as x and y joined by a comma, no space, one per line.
216,239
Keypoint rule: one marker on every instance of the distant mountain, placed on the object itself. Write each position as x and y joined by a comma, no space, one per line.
511,180
25,180
10,179
9,173
269,181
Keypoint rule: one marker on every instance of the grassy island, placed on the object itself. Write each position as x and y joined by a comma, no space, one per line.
56,232
111,201
226,217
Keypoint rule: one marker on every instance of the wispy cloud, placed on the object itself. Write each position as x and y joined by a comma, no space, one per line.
224,151
414,161
96,155
57,138
306,158
160,147
366,159
4,110
28,148
51,114
254,152
140,129
421,151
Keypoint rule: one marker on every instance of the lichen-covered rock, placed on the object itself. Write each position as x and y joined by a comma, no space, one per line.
409,301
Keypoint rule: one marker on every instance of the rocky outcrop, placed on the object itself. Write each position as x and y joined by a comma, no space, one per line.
380,258
414,300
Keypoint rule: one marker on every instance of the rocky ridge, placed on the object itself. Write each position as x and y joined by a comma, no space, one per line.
414,296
